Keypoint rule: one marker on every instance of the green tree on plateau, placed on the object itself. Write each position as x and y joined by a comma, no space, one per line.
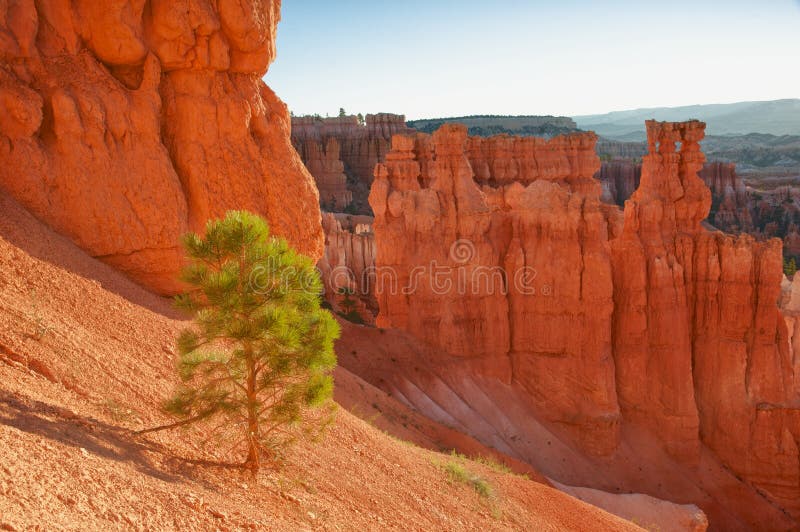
259,356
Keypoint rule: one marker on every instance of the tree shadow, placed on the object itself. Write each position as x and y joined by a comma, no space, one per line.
96,437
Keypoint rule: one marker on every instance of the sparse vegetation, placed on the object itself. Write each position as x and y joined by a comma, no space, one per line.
348,305
493,464
119,412
350,209
259,356
789,266
458,473
489,462
40,326
488,125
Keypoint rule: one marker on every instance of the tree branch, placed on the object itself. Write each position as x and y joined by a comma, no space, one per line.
171,425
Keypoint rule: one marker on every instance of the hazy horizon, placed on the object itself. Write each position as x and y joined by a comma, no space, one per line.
510,57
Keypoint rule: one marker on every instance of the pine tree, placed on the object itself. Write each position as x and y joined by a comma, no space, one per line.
260,354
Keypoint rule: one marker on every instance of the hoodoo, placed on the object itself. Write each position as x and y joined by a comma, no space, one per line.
604,317
489,245
519,336
731,201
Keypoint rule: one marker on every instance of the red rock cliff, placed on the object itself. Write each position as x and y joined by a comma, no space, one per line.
325,164
125,124
492,272
361,147
499,251
348,265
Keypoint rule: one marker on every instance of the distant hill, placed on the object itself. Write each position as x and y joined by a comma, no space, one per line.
778,117
751,152
756,151
487,125
758,136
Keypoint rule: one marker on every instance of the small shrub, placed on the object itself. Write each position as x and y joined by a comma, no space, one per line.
354,317
348,304
458,473
482,486
351,208
789,267
493,464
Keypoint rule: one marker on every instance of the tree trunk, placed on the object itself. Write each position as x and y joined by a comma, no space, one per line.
253,451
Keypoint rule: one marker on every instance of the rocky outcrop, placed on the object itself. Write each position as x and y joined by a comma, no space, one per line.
790,308
491,272
500,252
348,265
776,213
731,202
730,207
125,125
361,147
619,179
324,163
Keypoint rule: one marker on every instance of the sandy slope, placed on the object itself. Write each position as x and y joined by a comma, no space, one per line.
85,356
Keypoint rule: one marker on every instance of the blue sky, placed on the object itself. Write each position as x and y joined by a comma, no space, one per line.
567,57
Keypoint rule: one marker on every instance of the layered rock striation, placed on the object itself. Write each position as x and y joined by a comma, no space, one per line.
347,266
481,244
360,148
124,125
619,179
325,164
731,203
499,251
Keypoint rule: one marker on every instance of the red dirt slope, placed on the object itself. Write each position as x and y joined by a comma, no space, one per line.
449,392
85,356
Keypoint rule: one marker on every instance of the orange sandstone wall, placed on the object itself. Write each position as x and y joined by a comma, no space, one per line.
348,264
125,124
338,148
500,251
492,272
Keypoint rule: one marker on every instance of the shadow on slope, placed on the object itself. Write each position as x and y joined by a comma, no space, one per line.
20,228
